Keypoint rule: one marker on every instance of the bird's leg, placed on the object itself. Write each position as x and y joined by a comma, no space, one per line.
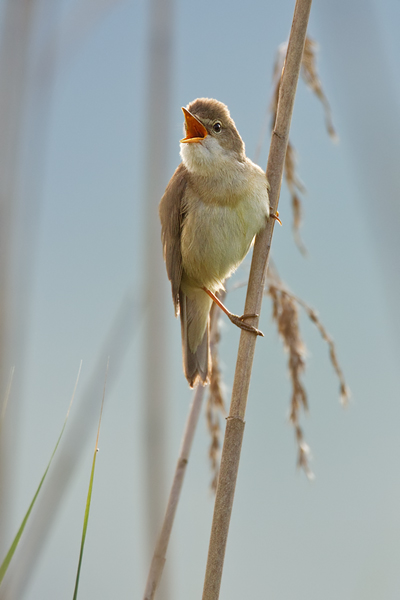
238,321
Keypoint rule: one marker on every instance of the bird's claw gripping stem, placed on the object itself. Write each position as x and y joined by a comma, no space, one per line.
240,322
276,217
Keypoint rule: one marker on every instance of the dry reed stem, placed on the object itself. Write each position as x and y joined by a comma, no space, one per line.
215,407
275,286
159,556
286,315
235,422
296,188
292,180
158,560
309,74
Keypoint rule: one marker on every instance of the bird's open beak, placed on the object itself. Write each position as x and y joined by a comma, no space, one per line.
195,131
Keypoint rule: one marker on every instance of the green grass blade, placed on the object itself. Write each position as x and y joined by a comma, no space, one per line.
89,496
10,553
85,524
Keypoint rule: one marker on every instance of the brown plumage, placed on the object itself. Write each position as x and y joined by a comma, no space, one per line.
213,206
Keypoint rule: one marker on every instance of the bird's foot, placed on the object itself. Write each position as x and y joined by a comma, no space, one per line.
276,217
240,322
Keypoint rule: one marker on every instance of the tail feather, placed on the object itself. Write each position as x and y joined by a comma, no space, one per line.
195,326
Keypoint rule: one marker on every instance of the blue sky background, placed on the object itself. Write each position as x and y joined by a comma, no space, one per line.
82,216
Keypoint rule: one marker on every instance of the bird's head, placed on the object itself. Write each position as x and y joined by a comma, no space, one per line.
211,141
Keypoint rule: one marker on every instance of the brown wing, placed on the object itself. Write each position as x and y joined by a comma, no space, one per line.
171,217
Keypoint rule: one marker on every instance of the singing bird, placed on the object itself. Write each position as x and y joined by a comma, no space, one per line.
214,205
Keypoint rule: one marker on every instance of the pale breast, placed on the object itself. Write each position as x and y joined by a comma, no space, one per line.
215,238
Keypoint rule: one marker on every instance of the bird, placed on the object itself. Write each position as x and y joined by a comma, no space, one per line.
213,207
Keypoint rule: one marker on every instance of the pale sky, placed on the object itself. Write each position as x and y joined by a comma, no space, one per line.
84,163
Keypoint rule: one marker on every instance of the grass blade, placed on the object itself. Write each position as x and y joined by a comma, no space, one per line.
13,547
89,496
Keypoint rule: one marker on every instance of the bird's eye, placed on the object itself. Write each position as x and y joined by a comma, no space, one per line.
217,127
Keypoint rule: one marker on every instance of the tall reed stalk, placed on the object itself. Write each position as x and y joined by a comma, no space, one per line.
160,551
155,347
15,36
235,422
159,556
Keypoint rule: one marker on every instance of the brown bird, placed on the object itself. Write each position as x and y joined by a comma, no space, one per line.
214,205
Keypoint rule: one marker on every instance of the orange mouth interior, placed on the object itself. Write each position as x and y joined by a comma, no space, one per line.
195,131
